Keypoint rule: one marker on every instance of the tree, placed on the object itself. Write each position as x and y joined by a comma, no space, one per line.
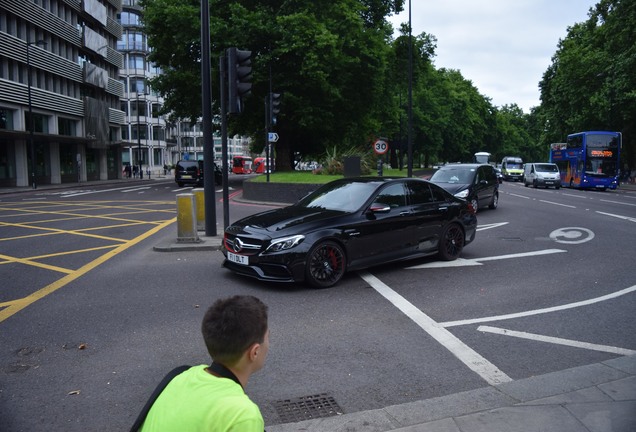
591,84
327,59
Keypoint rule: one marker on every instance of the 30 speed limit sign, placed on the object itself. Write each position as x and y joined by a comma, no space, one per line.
380,147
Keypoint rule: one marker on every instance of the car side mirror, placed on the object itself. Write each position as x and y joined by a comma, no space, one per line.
378,208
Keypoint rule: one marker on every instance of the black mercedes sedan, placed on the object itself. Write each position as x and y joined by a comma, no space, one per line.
349,224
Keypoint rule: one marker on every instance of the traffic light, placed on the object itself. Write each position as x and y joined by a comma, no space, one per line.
274,106
239,75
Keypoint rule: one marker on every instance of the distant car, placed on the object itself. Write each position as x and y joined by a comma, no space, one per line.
541,174
475,183
349,224
191,172
499,175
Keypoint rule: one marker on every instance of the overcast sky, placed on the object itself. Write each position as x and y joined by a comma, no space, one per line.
502,46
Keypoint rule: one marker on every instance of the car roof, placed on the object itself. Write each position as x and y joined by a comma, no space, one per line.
467,165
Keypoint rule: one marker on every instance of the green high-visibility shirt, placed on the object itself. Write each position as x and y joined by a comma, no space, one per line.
198,401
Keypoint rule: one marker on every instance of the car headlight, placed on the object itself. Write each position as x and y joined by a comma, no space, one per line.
284,243
462,194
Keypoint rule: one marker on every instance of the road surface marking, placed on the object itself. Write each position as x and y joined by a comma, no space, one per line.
478,364
617,202
492,225
556,340
540,311
631,219
558,204
460,262
15,306
92,192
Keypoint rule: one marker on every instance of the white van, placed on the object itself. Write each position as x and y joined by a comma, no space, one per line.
541,174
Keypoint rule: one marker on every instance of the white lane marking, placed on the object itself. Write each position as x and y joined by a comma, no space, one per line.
94,192
556,340
489,372
521,255
618,202
519,196
631,219
492,225
559,204
540,311
460,262
136,189
575,196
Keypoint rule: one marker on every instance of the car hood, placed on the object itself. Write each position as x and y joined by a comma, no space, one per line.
293,218
453,188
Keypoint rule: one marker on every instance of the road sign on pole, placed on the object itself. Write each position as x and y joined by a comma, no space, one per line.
272,137
380,147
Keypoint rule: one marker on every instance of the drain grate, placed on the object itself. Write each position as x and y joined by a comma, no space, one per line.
306,408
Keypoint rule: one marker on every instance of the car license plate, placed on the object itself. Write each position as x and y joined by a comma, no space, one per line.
186,176
239,259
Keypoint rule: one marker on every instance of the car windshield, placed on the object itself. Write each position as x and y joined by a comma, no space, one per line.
551,168
347,197
461,176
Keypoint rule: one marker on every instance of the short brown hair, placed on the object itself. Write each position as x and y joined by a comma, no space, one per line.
231,325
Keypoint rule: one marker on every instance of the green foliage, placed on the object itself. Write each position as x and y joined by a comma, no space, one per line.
591,84
344,81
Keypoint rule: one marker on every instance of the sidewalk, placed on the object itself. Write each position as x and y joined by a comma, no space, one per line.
599,397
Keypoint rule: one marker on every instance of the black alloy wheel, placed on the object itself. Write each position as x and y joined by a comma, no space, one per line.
451,242
326,264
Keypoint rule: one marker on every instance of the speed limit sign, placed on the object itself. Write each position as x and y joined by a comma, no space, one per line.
380,147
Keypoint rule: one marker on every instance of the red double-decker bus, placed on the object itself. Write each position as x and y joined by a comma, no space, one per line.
242,165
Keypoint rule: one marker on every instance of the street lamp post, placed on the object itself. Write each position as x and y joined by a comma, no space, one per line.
31,123
138,140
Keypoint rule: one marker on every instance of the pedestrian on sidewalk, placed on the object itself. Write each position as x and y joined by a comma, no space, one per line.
236,334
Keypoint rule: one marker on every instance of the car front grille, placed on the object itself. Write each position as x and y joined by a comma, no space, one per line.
242,245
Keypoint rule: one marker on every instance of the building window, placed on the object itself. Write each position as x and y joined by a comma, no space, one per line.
130,18
135,62
40,122
6,119
67,127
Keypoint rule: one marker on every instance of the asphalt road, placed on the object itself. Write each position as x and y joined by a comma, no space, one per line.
91,317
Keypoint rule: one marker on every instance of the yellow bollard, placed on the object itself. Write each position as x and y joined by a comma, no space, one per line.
186,219
199,198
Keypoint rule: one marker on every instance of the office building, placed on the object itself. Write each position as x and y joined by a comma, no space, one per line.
60,93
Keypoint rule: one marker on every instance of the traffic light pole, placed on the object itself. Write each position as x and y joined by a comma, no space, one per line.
208,143
223,95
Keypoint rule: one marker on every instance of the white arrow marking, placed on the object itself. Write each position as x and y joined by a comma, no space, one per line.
460,262
492,225
556,340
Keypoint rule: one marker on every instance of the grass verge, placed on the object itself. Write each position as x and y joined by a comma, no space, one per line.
309,177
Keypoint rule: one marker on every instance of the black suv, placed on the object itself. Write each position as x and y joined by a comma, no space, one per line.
191,172
475,183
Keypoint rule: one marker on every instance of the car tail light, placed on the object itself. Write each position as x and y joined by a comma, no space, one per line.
471,209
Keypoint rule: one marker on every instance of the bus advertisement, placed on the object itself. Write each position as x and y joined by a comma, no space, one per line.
588,160
242,165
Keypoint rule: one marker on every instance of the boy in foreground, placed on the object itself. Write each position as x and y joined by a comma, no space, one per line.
212,398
